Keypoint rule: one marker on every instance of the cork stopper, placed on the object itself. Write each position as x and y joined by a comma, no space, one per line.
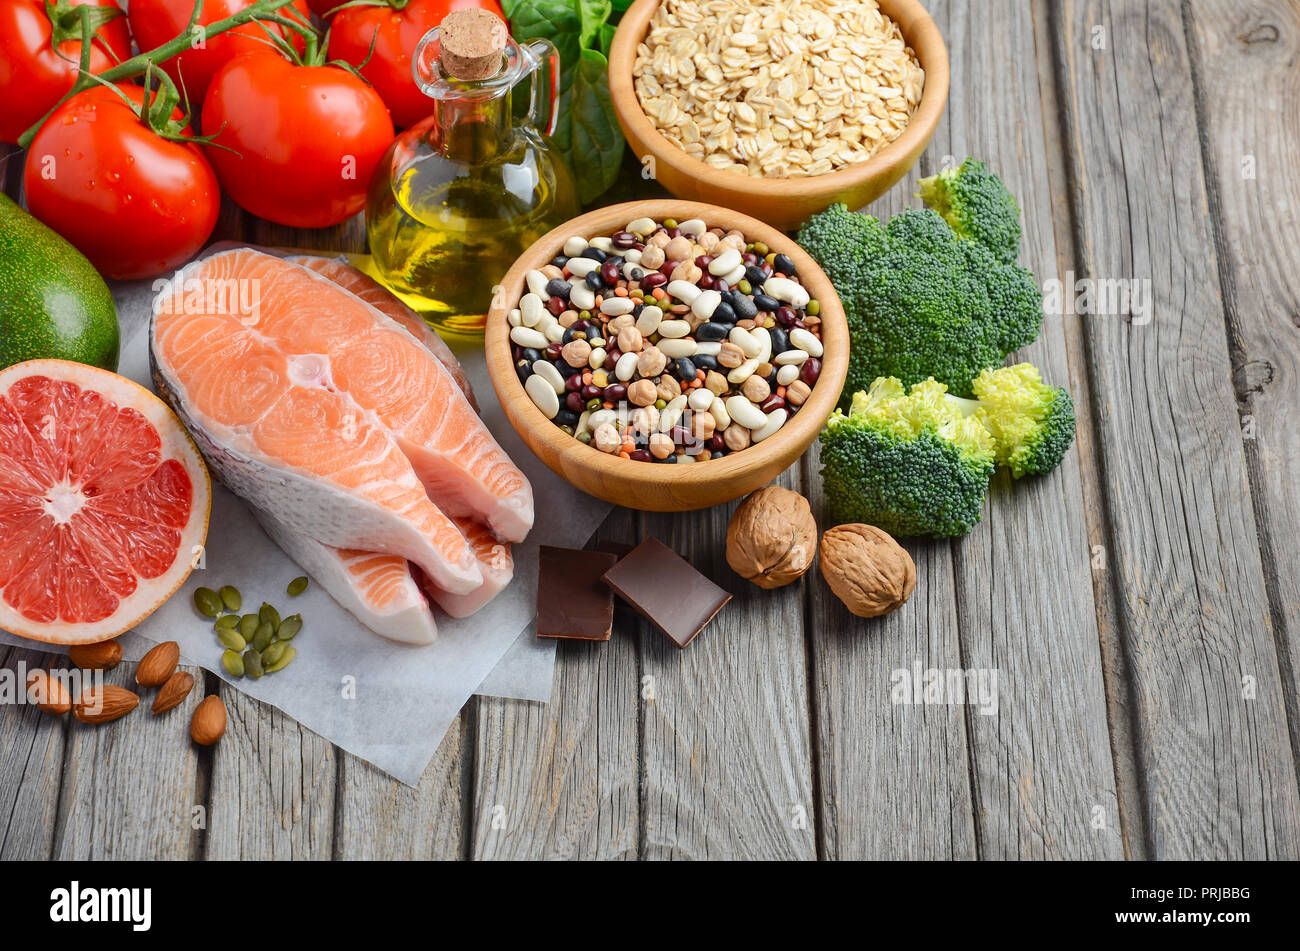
472,43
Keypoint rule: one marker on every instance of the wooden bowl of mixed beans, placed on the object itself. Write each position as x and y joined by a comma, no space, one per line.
667,355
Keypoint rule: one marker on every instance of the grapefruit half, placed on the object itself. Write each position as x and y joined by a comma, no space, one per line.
104,502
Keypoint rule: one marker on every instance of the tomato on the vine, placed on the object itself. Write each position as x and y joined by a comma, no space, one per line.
154,22
396,27
133,201
40,52
303,140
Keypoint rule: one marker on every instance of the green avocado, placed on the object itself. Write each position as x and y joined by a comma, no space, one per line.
53,303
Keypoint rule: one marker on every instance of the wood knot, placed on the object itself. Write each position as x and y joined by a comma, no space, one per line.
1252,377
1262,33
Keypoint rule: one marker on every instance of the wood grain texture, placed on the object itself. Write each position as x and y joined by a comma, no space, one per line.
726,743
131,788
560,781
1219,775
1044,781
31,763
1246,67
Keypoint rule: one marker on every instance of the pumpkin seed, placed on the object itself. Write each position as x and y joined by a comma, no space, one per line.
289,627
233,663
267,614
248,626
253,663
288,655
208,602
262,639
297,586
231,639
231,597
228,621
273,653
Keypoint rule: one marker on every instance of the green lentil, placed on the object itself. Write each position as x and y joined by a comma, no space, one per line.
670,222
813,308
761,249
744,286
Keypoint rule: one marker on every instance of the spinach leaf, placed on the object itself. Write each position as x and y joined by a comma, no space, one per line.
592,15
606,38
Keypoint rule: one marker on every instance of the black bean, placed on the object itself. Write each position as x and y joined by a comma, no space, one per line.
703,361
711,331
570,333
595,280
531,355
754,274
567,371
780,340
594,254
668,458
783,265
559,261
763,302
524,369
743,305
684,368
636,273
558,288
567,417
724,313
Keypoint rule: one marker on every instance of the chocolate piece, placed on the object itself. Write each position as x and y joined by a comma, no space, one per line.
572,601
665,590
617,549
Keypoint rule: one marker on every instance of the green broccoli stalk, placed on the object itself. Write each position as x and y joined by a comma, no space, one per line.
977,206
911,464
1032,424
921,302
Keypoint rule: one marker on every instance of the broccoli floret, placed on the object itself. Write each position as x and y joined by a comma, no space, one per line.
978,206
920,301
1032,423
911,464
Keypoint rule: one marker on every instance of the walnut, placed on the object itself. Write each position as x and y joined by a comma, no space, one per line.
869,571
772,537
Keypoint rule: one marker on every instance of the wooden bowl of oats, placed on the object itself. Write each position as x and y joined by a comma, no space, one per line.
721,102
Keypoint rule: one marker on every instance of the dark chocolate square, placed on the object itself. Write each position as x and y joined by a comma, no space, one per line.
572,600
664,589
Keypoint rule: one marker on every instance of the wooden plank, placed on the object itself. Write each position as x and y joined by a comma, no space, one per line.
381,819
31,762
560,781
132,788
1218,775
1243,64
1044,782
726,737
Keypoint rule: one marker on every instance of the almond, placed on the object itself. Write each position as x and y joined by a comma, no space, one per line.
104,704
159,664
209,723
176,689
48,692
102,656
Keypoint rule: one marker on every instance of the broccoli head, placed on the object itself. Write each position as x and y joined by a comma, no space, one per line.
1031,423
912,464
921,302
977,206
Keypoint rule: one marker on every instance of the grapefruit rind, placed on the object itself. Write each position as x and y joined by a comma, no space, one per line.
150,593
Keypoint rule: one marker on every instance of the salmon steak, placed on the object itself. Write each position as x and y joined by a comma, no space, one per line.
310,403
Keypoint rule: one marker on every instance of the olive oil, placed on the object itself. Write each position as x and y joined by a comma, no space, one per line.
461,195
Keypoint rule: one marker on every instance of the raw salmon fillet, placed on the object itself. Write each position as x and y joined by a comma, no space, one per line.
494,563
361,285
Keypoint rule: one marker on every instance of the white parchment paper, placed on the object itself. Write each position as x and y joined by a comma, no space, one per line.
390,704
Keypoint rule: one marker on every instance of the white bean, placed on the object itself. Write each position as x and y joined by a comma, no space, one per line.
672,349
554,332
582,423
747,342
743,372
632,256
528,337
515,317
794,358
674,328
625,369
775,420
546,370
705,304
724,263
574,246
684,291
543,394
581,267
602,244
648,320
782,288
709,348
806,341
699,400
671,414
764,343
641,226
736,276
787,374
719,411
582,297
600,417
744,412
531,309
597,358
617,306
693,227
536,281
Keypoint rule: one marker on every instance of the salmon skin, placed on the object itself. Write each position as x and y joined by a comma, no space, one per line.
361,285
305,400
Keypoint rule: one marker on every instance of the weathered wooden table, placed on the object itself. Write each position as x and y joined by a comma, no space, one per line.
1140,607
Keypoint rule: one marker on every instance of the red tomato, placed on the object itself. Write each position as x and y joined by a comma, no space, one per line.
322,7
308,138
133,202
395,33
33,76
154,22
